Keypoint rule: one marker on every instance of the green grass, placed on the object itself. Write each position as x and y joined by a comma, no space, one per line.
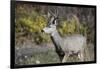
43,58
50,57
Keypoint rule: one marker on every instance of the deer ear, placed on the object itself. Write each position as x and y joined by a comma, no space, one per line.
54,22
48,15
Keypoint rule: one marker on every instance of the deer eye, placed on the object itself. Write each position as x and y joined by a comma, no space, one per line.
49,27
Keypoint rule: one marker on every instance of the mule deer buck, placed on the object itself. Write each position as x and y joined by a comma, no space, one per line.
66,46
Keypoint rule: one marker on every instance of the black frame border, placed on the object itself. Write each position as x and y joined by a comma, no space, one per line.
12,35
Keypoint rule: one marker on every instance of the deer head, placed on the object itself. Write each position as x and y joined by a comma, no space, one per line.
52,23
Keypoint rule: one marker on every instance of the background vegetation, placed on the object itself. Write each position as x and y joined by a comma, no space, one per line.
31,19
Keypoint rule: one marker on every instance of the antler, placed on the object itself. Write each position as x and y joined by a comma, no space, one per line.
52,15
53,11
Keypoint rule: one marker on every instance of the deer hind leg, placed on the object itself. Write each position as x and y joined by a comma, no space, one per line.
81,55
65,58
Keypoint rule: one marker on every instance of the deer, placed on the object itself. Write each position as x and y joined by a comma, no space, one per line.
65,46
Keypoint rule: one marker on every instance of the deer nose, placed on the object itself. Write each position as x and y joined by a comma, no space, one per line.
42,30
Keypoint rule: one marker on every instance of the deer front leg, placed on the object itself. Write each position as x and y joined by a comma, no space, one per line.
81,56
65,58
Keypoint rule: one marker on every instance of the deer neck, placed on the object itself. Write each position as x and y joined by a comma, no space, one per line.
57,41
56,38
56,35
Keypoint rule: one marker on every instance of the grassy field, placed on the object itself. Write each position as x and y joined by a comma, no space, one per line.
48,56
